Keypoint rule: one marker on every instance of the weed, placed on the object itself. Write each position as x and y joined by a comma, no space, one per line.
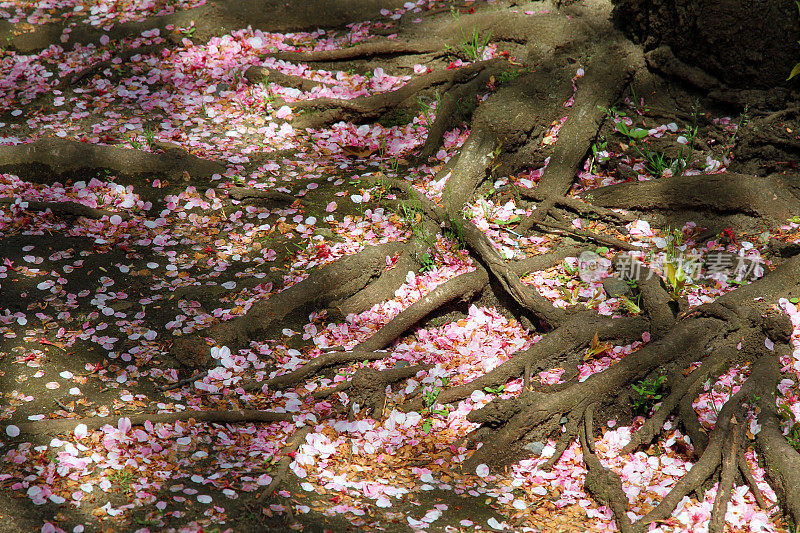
611,112
599,154
634,135
742,121
633,307
150,137
648,392
472,44
674,272
427,263
654,162
188,32
123,478
510,75
429,105
135,144
455,231
495,390
793,436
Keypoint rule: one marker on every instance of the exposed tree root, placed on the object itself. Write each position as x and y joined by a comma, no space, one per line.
91,70
282,471
578,206
586,235
464,286
658,304
532,409
246,193
730,464
711,367
727,193
65,209
781,461
576,333
720,442
328,284
66,425
371,107
261,74
606,76
180,383
602,483
59,158
370,49
325,360
453,109
368,388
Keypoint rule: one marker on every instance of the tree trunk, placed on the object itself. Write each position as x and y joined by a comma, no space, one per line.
743,43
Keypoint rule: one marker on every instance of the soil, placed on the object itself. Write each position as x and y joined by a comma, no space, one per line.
238,294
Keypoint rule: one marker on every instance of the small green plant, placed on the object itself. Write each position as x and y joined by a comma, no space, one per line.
793,436
472,44
430,395
674,272
681,163
455,231
631,306
510,75
647,393
427,263
429,104
188,32
598,155
150,137
123,478
611,112
634,135
135,144
495,390
654,162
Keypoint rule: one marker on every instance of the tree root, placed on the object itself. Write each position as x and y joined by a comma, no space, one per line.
602,483
781,460
577,206
453,109
535,408
336,281
65,425
71,158
576,333
367,50
292,445
606,77
464,286
720,442
727,193
657,303
66,209
730,464
586,235
686,388
371,107
325,360
261,74
88,72
369,388
182,382
564,441
246,193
